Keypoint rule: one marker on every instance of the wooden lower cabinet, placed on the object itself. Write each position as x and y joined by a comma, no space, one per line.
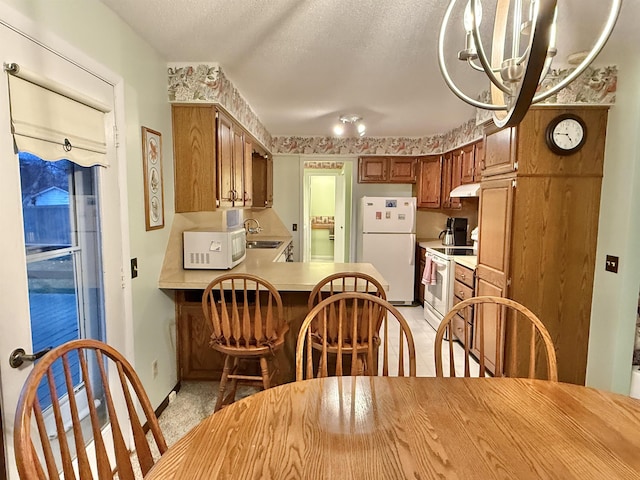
463,289
198,361
485,325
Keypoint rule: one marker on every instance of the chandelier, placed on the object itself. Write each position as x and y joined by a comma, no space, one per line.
350,121
515,75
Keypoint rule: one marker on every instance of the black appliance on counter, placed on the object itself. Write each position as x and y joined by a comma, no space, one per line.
459,226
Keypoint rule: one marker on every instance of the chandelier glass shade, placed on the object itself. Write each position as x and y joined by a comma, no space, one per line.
515,75
351,121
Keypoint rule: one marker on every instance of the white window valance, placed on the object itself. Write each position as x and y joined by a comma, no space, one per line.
54,122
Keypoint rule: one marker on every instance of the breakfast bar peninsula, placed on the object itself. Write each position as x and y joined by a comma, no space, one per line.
294,281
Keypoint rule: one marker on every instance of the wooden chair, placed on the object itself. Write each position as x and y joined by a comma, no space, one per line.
339,283
491,317
71,363
246,316
356,339
345,282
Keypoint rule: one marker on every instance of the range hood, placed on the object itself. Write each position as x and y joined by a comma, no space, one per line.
468,190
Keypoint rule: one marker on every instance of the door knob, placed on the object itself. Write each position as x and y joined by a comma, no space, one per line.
19,356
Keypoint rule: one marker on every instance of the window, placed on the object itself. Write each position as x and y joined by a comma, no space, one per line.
62,235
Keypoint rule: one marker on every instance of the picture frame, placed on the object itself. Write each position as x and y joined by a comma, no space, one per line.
153,181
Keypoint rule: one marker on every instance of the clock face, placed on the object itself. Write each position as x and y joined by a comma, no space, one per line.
566,134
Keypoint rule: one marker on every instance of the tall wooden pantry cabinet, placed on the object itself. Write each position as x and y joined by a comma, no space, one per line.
538,224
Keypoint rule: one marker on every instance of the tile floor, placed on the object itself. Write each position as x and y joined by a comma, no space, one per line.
424,339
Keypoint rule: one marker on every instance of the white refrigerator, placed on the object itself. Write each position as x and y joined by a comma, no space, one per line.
389,242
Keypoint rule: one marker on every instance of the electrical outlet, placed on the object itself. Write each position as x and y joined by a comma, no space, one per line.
295,227
134,267
154,368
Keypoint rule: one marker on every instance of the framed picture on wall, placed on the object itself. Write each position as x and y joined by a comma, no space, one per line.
153,190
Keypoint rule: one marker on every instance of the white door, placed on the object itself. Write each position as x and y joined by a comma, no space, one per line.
15,324
339,219
306,218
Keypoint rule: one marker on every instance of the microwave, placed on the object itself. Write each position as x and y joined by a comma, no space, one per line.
214,250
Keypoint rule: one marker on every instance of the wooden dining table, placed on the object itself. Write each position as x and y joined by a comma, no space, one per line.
419,428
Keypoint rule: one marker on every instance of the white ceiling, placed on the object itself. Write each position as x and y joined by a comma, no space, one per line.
302,63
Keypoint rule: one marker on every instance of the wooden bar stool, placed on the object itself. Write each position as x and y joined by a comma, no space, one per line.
247,318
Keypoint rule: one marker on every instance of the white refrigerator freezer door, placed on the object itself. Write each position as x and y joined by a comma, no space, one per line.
388,214
393,255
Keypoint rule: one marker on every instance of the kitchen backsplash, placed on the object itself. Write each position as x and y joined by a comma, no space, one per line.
429,223
207,83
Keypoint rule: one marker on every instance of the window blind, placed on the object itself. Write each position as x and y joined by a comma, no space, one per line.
54,122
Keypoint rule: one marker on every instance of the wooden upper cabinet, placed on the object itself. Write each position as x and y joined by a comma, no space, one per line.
478,159
213,159
500,151
234,166
372,169
262,180
226,192
451,178
402,170
247,183
194,153
468,163
429,186
387,170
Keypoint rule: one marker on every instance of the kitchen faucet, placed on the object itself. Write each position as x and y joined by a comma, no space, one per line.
256,229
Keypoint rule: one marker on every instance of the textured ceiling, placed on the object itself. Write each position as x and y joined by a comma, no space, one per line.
302,63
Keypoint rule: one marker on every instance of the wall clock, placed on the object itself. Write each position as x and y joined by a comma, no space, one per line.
566,134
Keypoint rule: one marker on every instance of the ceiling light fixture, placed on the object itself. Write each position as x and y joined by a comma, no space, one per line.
345,120
515,77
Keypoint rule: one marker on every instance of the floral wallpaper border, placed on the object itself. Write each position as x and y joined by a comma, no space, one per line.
594,86
207,83
323,165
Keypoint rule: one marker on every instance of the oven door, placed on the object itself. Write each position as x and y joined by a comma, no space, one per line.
438,296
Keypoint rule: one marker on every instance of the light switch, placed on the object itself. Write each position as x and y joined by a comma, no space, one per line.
611,264
134,267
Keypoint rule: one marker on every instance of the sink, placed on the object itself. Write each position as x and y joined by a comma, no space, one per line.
263,243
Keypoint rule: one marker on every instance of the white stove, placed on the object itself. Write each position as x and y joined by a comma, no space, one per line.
438,293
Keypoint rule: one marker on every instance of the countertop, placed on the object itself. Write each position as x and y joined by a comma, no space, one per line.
469,261
285,276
